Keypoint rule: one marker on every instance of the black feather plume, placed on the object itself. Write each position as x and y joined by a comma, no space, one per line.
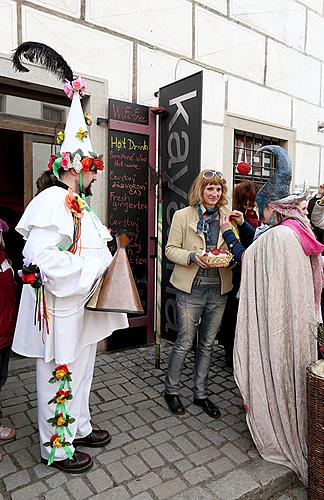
42,54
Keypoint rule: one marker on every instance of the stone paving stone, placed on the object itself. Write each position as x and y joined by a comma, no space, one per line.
183,465
219,467
203,456
141,432
273,477
57,480
16,480
196,493
197,475
41,470
143,496
136,465
119,472
158,438
29,492
7,467
170,488
197,438
144,483
117,493
57,494
20,420
234,485
111,456
136,446
121,423
178,430
134,419
184,444
152,458
234,453
167,473
78,488
169,452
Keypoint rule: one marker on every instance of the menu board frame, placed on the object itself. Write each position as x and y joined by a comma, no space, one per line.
134,126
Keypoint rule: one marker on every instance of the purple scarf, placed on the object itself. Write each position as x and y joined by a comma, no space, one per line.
313,249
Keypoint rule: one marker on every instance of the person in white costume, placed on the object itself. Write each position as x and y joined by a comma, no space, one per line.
65,255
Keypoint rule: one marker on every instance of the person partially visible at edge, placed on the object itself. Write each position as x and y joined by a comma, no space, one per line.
201,291
65,255
316,212
277,318
245,216
8,315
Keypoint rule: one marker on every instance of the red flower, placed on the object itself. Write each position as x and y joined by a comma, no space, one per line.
86,164
55,436
63,368
28,279
51,160
98,164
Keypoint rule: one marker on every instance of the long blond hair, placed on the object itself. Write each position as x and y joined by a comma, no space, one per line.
196,191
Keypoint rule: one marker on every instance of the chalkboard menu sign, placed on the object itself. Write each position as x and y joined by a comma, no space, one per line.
129,112
128,199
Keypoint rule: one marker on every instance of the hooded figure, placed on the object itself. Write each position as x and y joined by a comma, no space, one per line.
276,324
65,255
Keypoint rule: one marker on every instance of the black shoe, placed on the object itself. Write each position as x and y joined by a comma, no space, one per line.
96,439
208,406
174,404
80,462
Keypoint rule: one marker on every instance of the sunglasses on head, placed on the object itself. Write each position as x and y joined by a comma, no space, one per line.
209,174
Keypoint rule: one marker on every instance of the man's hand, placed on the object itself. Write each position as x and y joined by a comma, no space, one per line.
237,216
194,257
225,224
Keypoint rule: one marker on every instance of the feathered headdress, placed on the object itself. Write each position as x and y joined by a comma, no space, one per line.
76,149
277,187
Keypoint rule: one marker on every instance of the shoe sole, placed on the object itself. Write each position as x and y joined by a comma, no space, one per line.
203,409
85,444
68,471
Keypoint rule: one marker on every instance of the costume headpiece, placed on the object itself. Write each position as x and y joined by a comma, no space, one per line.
277,187
76,150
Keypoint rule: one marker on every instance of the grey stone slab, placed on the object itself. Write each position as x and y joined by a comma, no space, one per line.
57,494
118,472
221,466
29,492
111,456
144,483
141,432
234,453
167,473
100,480
205,455
170,488
136,446
197,475
158,438
183,465
196,493
136,465
7,467
272,477
166,423
117,493
169,452
234,485
152,458
184,444
16,480
57,480
18,444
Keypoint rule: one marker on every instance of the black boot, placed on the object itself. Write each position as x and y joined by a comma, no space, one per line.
174,404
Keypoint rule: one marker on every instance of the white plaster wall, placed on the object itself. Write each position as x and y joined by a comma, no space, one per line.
314,4
165,24
8,26
254,101
156,69
307,164
315,35
88,52
284,20
219,5
70,7
228,46
305,118
293,72
212,147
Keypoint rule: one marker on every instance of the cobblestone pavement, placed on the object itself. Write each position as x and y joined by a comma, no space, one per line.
153,454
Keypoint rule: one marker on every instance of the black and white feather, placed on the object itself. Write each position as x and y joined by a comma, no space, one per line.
39,53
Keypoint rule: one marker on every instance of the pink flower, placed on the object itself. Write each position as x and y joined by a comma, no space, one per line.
79,85
68,89
65,162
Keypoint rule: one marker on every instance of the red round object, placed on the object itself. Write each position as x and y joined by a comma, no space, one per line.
243,168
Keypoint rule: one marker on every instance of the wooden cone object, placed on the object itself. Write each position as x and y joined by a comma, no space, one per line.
117,291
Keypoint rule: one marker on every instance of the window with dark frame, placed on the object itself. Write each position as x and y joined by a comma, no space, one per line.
53,113
246,145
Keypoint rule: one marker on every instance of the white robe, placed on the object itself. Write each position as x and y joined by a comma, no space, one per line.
274,343
47,225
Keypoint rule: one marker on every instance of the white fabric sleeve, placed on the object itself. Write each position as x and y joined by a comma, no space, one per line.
67,274
317,216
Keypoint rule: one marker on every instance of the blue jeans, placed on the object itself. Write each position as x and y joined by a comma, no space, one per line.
202,311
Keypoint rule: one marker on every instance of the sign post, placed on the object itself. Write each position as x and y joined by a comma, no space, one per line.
179,164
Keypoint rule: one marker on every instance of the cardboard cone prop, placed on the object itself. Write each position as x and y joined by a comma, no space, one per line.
117,291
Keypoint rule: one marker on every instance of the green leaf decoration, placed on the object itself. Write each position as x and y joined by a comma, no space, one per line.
47,443
52,380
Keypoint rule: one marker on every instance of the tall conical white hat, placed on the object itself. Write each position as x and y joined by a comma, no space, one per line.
74,124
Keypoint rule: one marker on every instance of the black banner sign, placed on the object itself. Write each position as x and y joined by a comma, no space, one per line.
180,145
128,112
128,199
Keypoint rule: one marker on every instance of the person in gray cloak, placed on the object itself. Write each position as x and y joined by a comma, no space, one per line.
278,314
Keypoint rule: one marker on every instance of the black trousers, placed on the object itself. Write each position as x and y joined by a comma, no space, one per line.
4,362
